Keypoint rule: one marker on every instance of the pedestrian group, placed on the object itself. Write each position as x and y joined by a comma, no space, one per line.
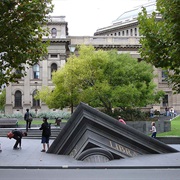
18,134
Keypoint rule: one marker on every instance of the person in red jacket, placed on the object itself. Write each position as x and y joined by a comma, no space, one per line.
17,135
121,120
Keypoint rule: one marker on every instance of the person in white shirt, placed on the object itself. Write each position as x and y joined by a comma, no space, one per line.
153,130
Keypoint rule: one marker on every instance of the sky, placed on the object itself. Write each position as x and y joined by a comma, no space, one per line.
84,17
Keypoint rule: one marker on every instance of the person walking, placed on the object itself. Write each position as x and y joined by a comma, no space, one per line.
46,133
17,135
28,119
153,130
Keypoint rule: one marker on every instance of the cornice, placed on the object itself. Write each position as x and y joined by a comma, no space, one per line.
55,41
119,47
57,23
115,28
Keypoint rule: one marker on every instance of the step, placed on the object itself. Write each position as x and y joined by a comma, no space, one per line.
32,133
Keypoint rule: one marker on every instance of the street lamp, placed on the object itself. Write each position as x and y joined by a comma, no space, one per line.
35,99
72,50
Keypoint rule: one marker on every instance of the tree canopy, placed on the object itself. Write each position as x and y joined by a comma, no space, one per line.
21,32
161,38
101,79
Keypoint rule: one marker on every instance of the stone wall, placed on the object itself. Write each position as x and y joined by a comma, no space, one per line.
145,126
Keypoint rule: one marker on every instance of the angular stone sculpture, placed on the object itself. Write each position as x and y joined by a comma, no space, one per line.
91,135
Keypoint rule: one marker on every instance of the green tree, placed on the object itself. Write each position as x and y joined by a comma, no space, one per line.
2,99
161,38
21,32
102,79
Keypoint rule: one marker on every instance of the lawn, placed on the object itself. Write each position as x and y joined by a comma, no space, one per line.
175,128
38,122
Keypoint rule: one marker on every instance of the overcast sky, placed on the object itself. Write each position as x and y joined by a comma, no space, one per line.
84,17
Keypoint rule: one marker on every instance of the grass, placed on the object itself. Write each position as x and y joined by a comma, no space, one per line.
175,129
38,122
175,126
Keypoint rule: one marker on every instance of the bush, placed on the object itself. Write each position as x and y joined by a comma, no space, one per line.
53,115
50,115
1,115
131,114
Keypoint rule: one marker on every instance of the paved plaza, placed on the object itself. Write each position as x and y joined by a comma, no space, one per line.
30,156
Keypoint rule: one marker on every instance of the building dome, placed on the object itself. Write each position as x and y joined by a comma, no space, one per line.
133,14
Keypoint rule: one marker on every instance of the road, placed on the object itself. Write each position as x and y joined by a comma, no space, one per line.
90,174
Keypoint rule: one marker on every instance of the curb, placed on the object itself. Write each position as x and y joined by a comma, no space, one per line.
89,167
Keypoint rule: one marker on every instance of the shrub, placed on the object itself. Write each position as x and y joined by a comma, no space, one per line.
53,115
131,114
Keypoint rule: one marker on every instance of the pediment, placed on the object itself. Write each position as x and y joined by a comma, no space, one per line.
90,133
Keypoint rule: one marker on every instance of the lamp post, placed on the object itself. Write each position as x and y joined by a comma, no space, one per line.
72,50
35,99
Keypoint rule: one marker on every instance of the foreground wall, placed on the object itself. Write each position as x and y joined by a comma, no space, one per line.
145,126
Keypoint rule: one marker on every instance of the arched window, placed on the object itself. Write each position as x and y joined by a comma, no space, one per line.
53,68
127,32
36,71
165,100
36,103
131,31
135,31
164,75
53,32
18,99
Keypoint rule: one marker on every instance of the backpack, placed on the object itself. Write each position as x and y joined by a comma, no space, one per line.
29,117
10,135
48,129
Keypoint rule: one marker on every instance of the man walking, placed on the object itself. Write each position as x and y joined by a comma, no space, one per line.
28,119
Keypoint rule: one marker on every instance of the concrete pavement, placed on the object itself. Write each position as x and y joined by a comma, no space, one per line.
30,156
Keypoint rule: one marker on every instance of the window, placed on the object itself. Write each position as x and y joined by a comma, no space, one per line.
18,99
127,32
53,32
53,55
164,75
18,73
36,71
165,100
131,32
135,31
36,103
53,68
123,33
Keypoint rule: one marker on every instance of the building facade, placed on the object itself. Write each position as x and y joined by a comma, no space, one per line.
122,35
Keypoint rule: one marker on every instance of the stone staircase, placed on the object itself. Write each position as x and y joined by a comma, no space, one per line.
34,132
